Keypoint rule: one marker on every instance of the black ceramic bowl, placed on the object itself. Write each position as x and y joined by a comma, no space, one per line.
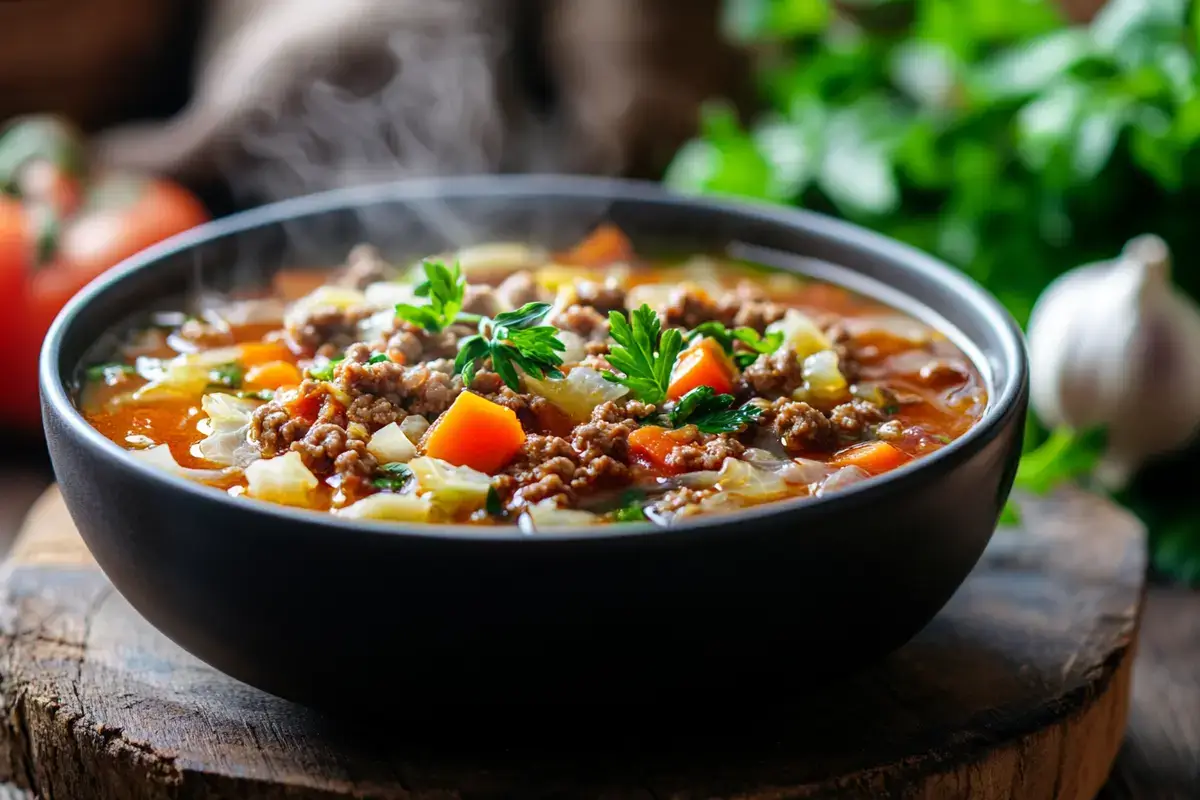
332,612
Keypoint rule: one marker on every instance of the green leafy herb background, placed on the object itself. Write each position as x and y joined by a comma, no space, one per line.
994,134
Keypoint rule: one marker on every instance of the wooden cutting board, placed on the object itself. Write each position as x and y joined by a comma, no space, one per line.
1019,689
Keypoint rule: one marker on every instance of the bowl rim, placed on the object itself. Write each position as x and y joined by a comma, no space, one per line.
1003,401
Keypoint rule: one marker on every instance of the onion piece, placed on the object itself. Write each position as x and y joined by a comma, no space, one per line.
846,476
160,457
283,479
547,514
389,507
391,445
227,427
581,391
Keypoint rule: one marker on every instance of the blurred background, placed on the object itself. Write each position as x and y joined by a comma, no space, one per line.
1016,139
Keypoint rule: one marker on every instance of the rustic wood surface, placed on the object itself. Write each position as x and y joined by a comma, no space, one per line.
1019,689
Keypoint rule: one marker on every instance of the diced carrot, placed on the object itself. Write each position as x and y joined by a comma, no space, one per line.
606,245
273,375
255,353
475,433
651,445
703,364
874,457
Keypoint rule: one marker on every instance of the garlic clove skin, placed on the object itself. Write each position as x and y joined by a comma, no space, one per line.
1112,344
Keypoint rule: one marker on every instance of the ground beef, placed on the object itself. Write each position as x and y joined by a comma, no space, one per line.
603,448
374,412
852,420
583,320
482,300
486,382
604,297
843,345
697,450
409,344
542,469
364,266
689,307
274,430
775,375
325,329
757,315
322,446
622,410
431,388
427,388
682,502
518,289
356,468
799,426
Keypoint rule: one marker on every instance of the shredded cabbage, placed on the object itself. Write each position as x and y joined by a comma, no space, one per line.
160,457
738,482
283,479
582,390
800,333
228,426
390,445
390,507
557,277
547,514
414,427
451,489
576,347
844,477
823,380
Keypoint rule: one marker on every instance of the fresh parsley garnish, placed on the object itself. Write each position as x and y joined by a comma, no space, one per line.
378,358
226,376
644,353
1065,456
103,372
632,508
325,371
754,342
513,339
494,507
392,476
711,412
445,288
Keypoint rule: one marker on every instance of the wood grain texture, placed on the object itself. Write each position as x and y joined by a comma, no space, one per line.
1019,689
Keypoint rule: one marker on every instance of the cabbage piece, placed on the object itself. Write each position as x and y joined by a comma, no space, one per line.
558,277
846,476
800,333
283,479
496,256
160,457
823,380
390,445
547,514
377,325
170,380
452,490
228,428
414,427
390,507
739,483
576,347
578,393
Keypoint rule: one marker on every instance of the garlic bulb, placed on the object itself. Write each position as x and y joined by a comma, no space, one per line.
1114,344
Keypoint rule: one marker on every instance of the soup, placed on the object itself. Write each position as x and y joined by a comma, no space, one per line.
506,386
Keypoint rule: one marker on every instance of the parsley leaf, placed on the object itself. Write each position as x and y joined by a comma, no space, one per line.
378,358
261,394
513,340
711,412
392,476
228,376
631,508
1065,456
325,371
644,353
494,507
445,288
754,342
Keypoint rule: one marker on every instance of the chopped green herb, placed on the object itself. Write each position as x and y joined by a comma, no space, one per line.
644,353
445,288
711,412
391,477
494,506
511,340
631,509
227,376
378,358
941,437
754,342
325,371
104,372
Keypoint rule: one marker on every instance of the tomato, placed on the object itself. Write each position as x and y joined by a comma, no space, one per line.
60,228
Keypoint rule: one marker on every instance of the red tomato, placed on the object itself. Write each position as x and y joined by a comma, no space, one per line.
97,223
